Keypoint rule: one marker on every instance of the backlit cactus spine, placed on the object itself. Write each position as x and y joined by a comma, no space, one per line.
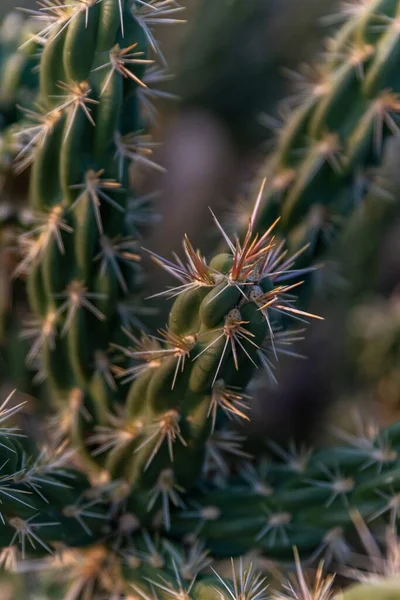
335,128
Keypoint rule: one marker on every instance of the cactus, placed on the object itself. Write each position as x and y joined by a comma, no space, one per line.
18,61
345,107
19,57
77,259
83,237
284,496
143,488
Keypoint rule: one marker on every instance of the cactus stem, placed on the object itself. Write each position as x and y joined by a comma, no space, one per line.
246,585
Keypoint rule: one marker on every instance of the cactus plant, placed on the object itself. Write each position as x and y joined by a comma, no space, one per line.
19,81
78,273
144,488
82,235
333,129
19,57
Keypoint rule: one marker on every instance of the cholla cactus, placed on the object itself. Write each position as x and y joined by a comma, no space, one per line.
147,483
18,65
222,324
19,58
86,130
334,128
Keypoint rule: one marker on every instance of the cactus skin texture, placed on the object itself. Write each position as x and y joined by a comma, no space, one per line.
38,504
347,105
380,590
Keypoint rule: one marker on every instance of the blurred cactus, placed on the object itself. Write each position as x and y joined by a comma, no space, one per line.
223,71
333,129
284,497
19,59
18,62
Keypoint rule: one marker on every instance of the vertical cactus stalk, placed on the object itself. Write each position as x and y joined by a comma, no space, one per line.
334,129
81,139
19,57
187,381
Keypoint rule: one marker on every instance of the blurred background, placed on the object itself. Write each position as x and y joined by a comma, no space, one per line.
231,63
